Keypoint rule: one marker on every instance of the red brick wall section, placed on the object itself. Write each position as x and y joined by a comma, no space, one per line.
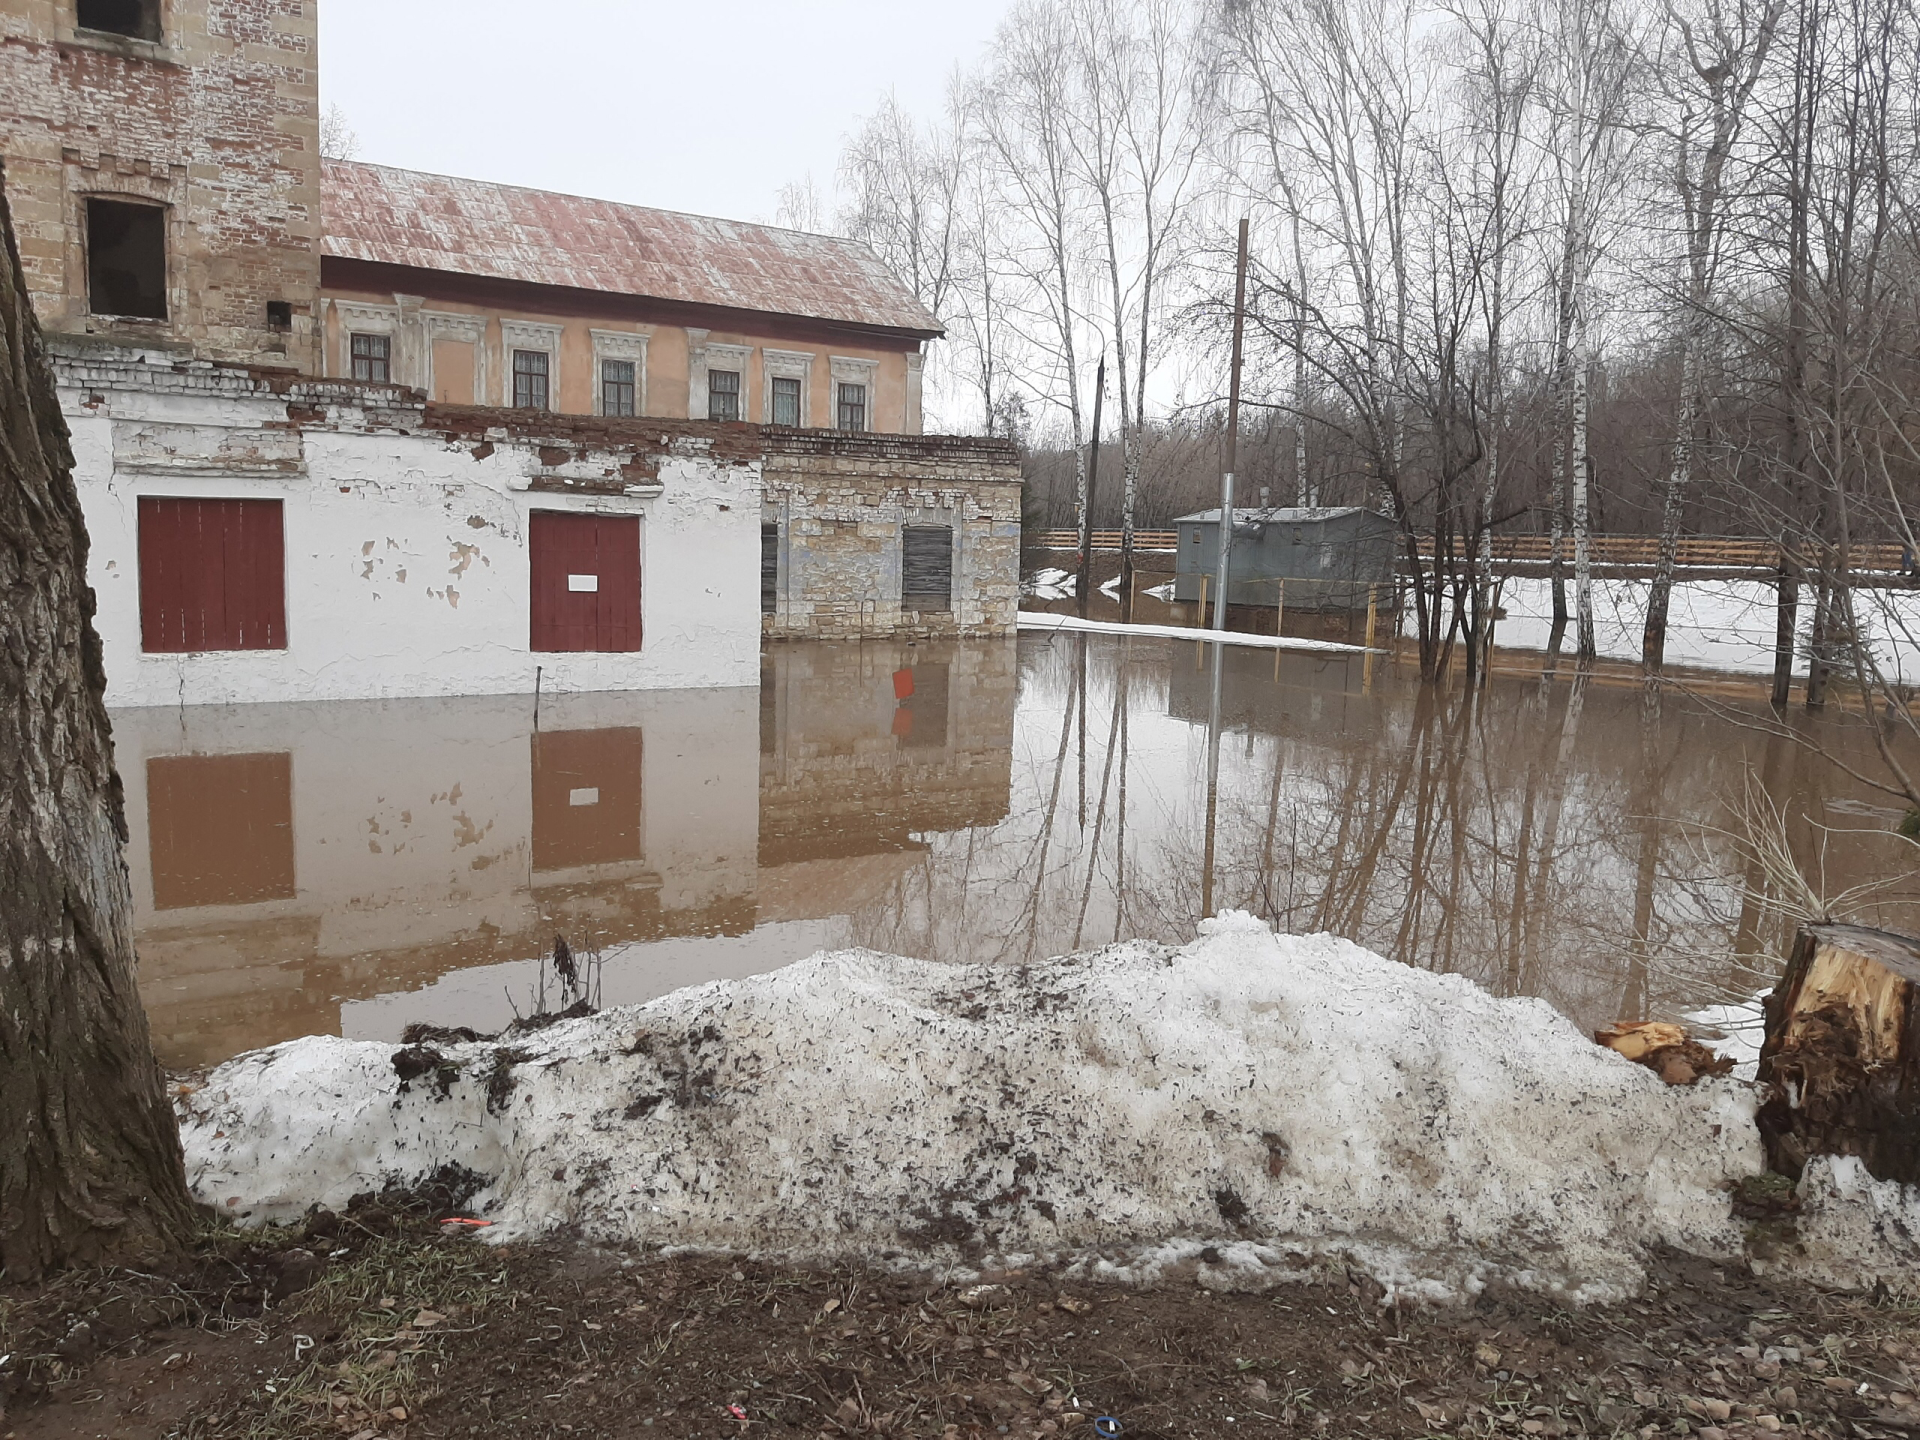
219,122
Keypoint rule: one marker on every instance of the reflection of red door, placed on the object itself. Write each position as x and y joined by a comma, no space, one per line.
220,829
586,581
586,797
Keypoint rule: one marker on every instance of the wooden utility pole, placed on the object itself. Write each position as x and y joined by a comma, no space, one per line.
1083,584
1233,432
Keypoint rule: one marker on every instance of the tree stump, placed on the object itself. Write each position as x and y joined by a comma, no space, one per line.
1842,1053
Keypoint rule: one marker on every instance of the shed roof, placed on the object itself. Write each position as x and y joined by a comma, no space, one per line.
506,232
1281,515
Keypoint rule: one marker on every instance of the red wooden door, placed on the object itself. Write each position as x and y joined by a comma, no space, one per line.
586,581
212,575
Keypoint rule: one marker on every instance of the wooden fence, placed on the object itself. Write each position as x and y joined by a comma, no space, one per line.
1612,552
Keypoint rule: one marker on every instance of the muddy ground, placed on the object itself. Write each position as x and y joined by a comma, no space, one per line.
382,1323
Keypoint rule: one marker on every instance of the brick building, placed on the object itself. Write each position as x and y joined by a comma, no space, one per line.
301,389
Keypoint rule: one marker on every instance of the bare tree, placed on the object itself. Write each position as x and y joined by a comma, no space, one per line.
91,1166
337,138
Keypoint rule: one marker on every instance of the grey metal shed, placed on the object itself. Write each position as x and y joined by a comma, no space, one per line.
1327,555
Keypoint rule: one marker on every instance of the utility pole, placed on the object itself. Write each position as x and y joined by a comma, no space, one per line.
1233,433
1083,584
1220,605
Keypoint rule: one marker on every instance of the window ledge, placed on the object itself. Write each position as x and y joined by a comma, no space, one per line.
107,42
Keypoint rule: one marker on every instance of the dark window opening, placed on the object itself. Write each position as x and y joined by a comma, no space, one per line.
618,387
530,379
723,394
853,407
926,568
786,400
280,315
372,358
137,18
769,569
126,259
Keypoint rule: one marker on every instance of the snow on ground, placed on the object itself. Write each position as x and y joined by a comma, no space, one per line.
1734,1030
1714,624
1050,585
1250,1105
1047,620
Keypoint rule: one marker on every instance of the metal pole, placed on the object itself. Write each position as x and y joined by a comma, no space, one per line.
1084,584
1233,432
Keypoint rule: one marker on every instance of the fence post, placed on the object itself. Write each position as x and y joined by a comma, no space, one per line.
1366,665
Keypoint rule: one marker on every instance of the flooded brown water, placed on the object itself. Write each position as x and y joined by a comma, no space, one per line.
353,867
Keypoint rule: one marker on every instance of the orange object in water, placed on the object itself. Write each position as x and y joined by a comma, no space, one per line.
903,684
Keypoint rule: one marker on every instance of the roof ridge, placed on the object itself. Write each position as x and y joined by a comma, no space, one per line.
604,200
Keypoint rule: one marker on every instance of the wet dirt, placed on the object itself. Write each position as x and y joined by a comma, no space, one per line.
378,1324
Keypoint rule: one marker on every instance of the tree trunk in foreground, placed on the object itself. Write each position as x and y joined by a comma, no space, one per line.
1842,1053
90,1164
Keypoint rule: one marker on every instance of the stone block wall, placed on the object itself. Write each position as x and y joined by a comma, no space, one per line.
218,121
842,503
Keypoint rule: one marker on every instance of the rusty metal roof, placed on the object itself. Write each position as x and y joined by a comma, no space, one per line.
507,232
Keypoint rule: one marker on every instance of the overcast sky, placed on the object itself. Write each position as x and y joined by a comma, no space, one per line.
708,106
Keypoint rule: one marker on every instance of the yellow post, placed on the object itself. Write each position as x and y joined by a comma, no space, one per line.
1203,600
1279,621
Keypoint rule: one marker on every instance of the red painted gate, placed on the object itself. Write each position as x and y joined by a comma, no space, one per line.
212,575
586,581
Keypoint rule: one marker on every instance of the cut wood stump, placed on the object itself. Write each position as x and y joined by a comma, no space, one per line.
1842,1053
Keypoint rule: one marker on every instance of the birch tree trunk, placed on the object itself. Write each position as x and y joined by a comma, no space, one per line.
90,1164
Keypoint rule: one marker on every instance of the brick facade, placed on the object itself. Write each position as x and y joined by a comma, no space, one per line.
218,122
841,503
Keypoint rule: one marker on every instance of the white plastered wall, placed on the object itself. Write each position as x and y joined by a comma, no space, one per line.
407,569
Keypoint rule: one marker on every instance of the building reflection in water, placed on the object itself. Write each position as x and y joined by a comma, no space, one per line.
308,869
350,868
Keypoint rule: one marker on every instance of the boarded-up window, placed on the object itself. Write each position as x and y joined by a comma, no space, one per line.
926,567
769,569
586,798
586,581
126,259
220,829
453,372
212,575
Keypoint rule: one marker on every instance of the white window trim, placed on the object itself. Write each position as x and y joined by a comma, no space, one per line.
727,357
849,371
620,345
360,319
530,335
468,329
786,365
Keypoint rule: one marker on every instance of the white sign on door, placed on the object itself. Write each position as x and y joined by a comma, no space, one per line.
583,582
590,795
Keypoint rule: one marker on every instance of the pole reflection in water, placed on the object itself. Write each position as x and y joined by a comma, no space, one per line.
355,867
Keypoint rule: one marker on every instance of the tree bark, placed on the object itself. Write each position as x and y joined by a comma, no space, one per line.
90,1165
1842,1053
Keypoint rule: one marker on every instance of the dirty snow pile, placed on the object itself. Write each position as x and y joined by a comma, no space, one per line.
1249,1107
